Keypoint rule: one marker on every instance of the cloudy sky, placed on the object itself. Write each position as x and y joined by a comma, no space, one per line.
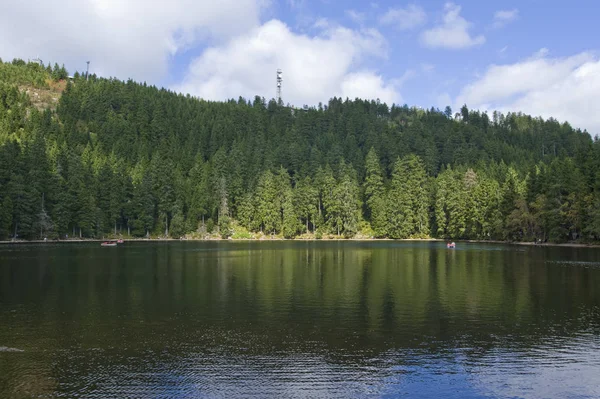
536,56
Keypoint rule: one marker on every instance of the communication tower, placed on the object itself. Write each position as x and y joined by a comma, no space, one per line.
279,82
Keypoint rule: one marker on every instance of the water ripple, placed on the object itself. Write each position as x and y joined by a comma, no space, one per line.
299,320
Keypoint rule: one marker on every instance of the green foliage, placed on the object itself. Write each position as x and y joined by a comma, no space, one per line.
306,203
178,225
20,73
365,229
374,194
210,226
341,200
291,225
120,156
59,73
240,233
268,207
407,201
225,226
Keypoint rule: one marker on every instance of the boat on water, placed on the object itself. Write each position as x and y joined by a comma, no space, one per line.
451,245
109,244
120,241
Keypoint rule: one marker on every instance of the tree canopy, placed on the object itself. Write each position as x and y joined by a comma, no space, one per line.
121,157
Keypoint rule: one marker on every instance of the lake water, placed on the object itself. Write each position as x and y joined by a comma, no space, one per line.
299,319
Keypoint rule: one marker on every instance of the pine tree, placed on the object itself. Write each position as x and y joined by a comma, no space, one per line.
417,188
178,224
247,213
223,217
268,204
121,154
442,190
306,202
164,188
374,193
400,216
291,223
200,201
144,206
326,183
344,210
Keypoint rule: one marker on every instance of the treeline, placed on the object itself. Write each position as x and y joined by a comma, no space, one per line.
127,158
30,73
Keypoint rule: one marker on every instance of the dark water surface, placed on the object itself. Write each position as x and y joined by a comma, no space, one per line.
299,319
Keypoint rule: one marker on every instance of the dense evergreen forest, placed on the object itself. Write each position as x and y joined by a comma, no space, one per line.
123,158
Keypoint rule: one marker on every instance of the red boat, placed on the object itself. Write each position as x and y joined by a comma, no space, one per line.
451,245
109,244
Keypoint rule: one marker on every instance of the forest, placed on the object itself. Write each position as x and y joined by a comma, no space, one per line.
118,158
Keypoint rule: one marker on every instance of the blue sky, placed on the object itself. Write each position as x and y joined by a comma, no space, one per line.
535,56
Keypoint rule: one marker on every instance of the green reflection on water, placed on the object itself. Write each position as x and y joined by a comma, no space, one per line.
346,301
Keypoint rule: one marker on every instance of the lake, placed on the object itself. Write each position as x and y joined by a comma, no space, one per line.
299,319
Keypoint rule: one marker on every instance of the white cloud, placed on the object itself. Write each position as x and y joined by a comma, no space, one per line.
296,3
404,18
427,68
453,33
504,17
406,76
367,85
567,89
315,68
132,38
355,16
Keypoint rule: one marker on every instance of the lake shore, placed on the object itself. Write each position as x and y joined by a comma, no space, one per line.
275,238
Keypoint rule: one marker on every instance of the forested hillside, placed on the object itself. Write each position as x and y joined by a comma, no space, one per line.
126,158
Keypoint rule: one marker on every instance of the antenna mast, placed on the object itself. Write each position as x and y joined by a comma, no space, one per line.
87,72
279,82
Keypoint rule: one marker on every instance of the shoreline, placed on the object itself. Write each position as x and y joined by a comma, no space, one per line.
95,240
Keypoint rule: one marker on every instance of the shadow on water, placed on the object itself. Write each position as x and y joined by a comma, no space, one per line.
311,319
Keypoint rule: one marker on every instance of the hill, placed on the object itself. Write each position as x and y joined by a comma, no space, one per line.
123,157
